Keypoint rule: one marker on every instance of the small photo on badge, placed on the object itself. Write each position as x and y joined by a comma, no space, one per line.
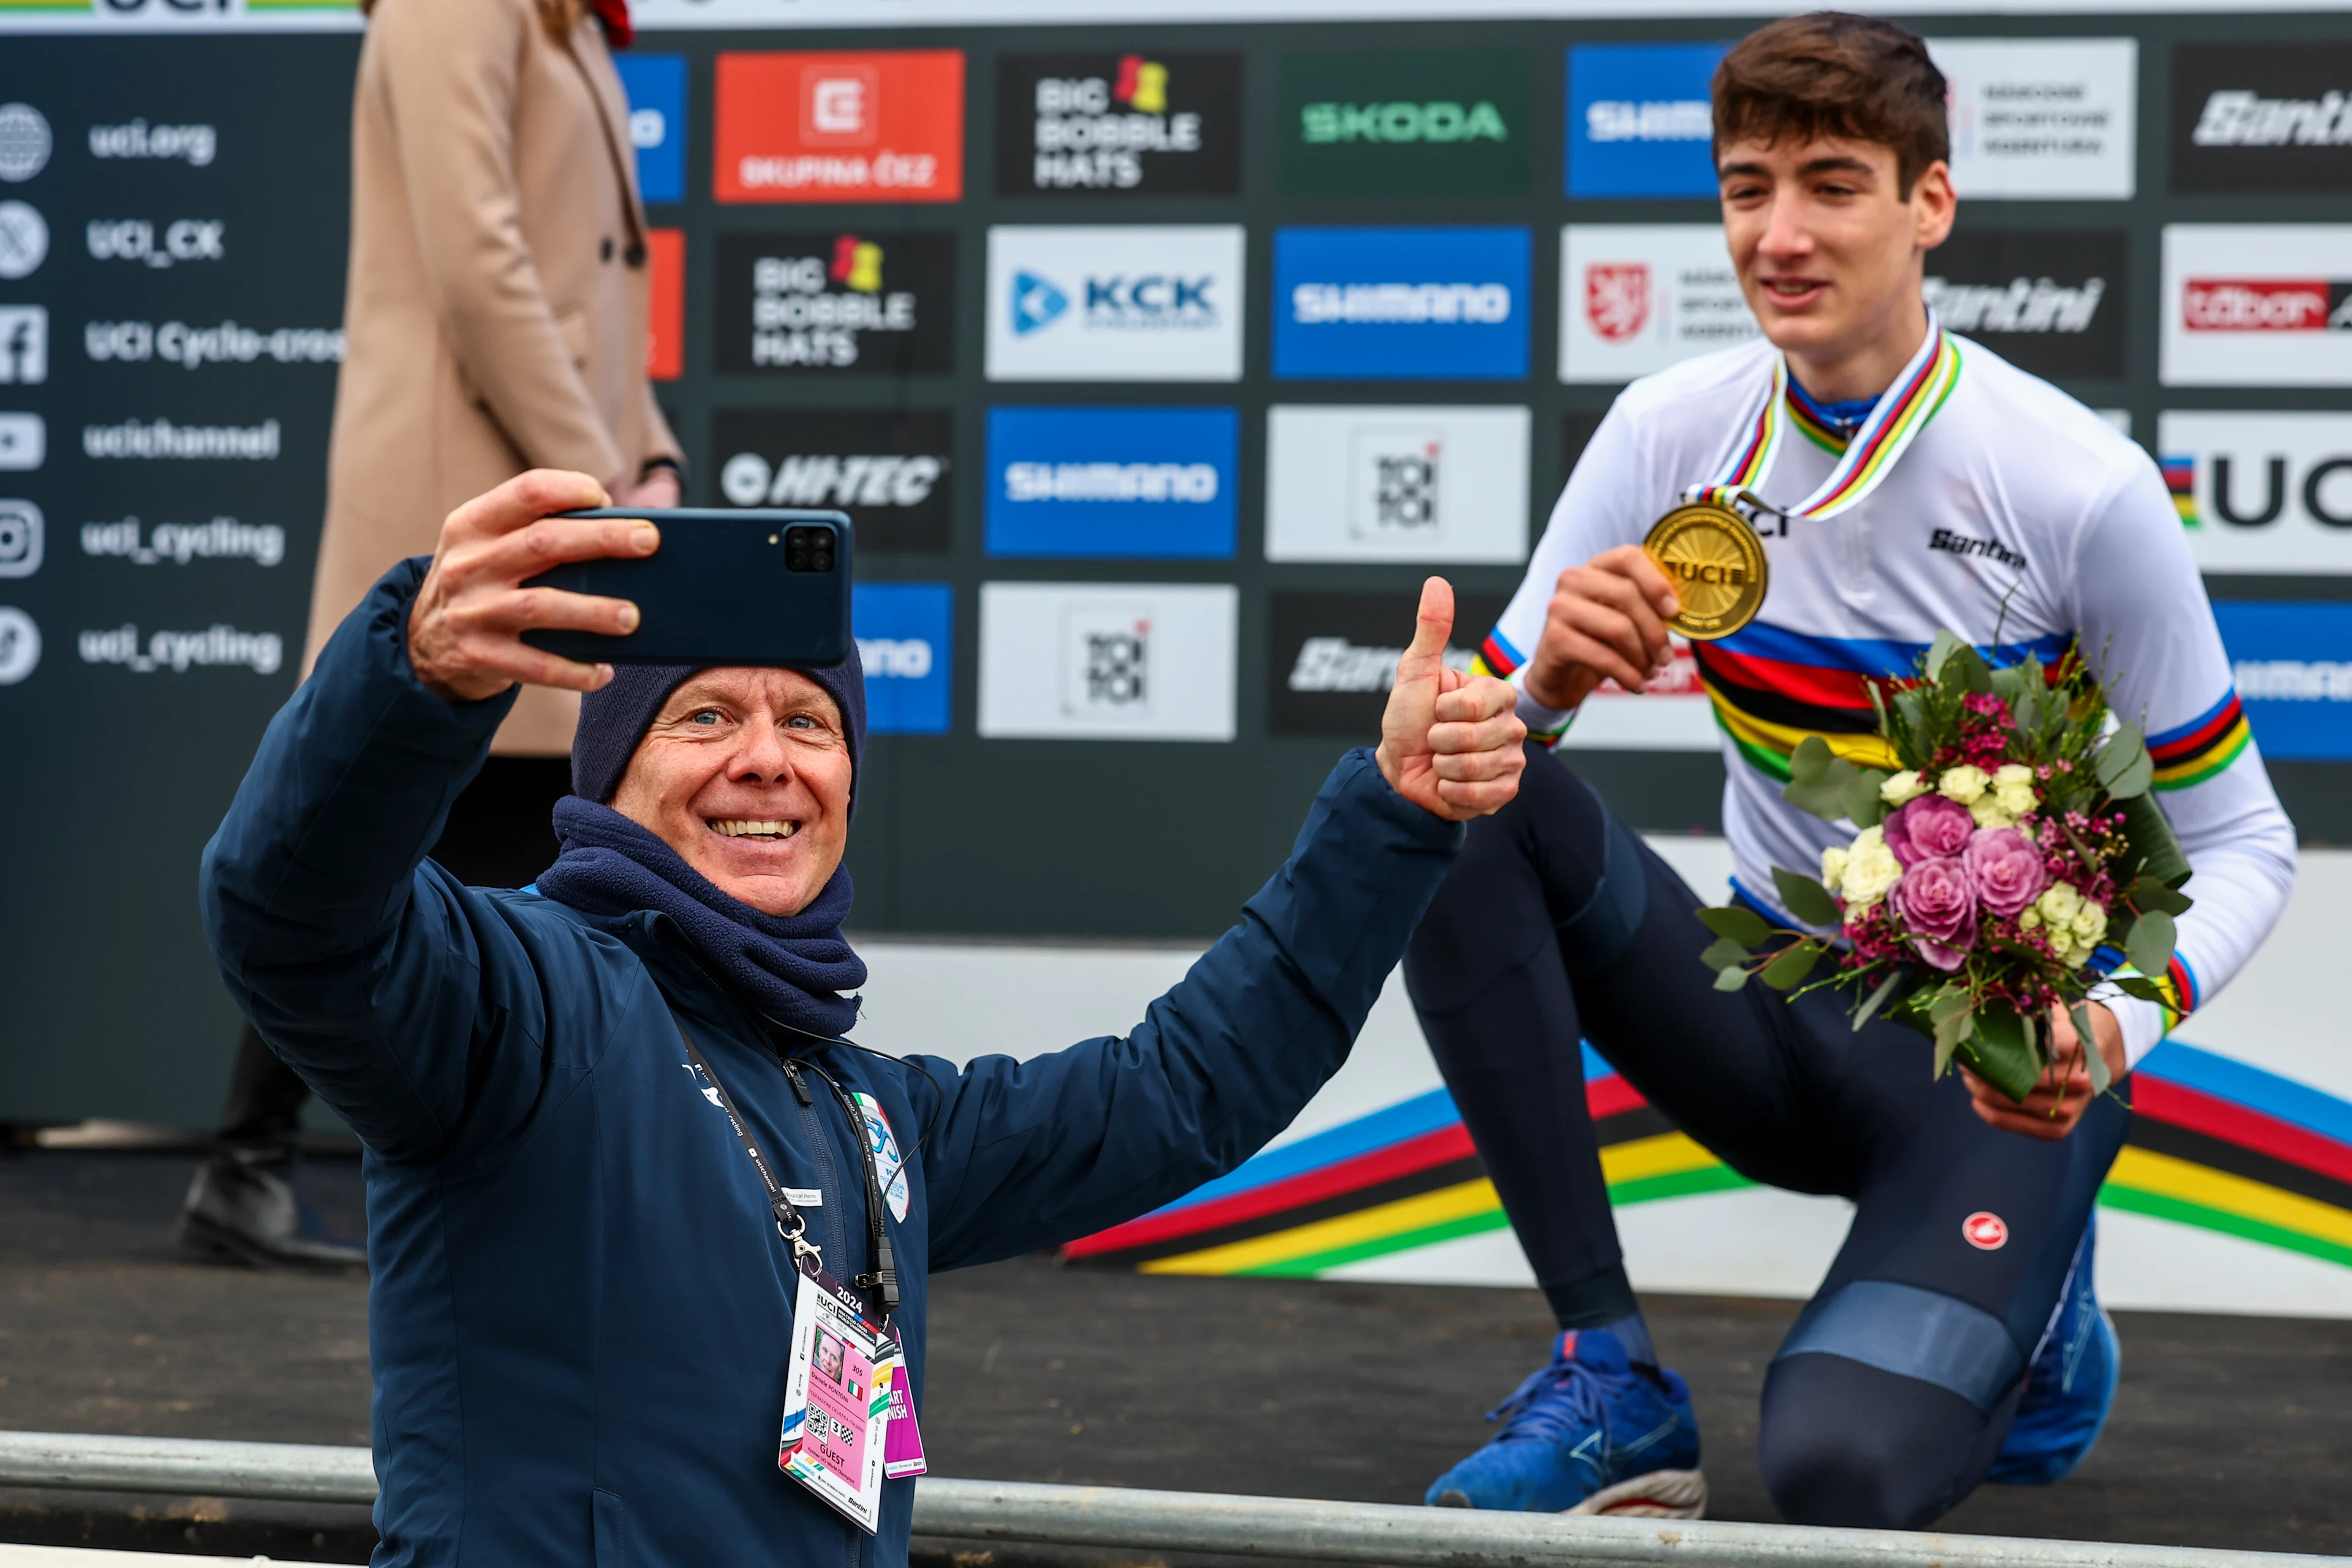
828,1355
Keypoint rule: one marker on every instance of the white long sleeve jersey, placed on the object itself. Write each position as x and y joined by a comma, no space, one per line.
2016,508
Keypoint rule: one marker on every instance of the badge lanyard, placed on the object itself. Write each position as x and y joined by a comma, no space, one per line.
1917,393
849,1414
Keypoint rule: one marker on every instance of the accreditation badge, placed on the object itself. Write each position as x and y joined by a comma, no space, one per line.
837,1404
1716,564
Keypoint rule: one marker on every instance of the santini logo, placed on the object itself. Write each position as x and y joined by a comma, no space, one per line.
1315,304
1335,664
1324,125
1193,483
2234,118
2024,305
1962,545
1671,120
825,479
2266,305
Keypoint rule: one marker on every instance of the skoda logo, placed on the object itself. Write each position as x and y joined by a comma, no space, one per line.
1036,302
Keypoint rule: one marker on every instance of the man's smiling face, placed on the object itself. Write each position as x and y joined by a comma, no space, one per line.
1828,246
746,774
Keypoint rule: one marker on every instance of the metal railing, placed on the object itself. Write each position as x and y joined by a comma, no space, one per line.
1169,1521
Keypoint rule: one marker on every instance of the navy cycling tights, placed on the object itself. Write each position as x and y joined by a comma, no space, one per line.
1894,1389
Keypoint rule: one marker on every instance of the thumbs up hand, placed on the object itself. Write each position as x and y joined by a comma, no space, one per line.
1450,742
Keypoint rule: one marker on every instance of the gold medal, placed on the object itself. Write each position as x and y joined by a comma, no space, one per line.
1716,564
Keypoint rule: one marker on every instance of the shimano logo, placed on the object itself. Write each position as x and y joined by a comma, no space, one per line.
895,659
2024,305
1315,304
2294,679
1191,482
2239,119
825,479
1671,120
1335,664
1328,123
1962,545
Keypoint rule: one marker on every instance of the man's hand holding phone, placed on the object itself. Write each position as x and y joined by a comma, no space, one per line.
1607,621
464,630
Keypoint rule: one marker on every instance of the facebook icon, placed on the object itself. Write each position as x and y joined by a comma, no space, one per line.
656,87
904,633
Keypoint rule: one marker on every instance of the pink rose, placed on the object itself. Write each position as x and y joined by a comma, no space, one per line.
2005,868
1929,828
1938,908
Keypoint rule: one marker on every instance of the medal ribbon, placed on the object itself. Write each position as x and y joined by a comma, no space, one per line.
1917,393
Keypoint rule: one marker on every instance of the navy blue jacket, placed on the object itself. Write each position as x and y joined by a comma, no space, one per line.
580,1311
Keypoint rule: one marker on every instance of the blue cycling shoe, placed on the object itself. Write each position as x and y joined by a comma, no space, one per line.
1588,1433
2069,1389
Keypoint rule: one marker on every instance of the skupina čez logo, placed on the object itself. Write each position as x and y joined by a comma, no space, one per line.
808,310
1092,131
1119,302
1343,124
2266,305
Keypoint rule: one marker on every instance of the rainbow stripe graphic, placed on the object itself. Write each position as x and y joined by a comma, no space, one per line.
2202,747
2214,1143
2180,479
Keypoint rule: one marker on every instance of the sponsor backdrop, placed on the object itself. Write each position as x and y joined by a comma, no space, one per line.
1157,363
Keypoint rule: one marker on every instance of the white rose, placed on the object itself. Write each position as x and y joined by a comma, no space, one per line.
1990,812
2012,785
1870,869
1963,784
2059,903
1903,787
1833,866
2090,924
2029,918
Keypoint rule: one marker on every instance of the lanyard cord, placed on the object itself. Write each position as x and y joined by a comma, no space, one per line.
884,1275
779,1201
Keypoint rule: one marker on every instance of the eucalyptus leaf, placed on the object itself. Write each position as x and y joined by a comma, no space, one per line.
2150,947
1806,899
1738,922
1860,799
1950,1032
2009,684
1790,968
1969,667
2147,893
1949,1002
1877,999
2093,1057
2027,710
2155,851
1730,978
1723,953
2123,750
1810,758
2146,990
2000,1052
2135,780
1946,645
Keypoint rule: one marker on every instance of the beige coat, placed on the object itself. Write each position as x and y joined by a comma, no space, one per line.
492,320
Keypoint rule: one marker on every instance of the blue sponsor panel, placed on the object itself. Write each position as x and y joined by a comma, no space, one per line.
1113,482
1640,121
1400,304
906,636
2292,664
656,87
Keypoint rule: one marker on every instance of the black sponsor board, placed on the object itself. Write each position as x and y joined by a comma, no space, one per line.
1153,123
888,470
2051,302
1330,658
835,301
1576,428
2263,117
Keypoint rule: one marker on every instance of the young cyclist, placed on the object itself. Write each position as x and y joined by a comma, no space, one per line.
1926,483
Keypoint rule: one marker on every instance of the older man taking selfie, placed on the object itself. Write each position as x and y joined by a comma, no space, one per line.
592,1315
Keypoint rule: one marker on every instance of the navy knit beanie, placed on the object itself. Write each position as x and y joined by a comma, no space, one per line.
613,721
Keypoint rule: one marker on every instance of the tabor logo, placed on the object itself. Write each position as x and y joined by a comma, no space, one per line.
24,345
24,239
24,147
2261,117
2050,301
836,301
2292,667
1112,123
1114,303
2268,492
1331,657
885,126
2041,119
1640,122
1401,303
655,86
1636,297
2256,305
20,539
24,442
1406,120
1112,482
905,641
888,470
1617,298
20,644
1444,484
1107,661
1985,1231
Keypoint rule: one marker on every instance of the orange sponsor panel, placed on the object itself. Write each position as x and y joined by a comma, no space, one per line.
883,125
666,304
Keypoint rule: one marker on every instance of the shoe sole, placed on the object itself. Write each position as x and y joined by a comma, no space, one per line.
1660,1494
207,1239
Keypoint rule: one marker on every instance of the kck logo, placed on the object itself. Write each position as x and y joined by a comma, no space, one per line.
1154,300
822,479
1036,302
134,239
24,345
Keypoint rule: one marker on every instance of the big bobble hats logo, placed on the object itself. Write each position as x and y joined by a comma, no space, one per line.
1143,123
1112,482
1400,304
884,126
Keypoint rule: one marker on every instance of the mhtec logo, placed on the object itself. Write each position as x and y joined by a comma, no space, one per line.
1338,124
824,478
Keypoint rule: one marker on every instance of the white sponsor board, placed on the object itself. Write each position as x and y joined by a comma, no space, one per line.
2041,119
1369,482
1636,297
1115,302
2250,304
2273,491
1107,661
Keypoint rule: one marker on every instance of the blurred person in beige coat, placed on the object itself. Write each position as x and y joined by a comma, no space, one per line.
495,321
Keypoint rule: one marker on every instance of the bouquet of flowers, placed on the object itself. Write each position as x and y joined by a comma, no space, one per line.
2018,838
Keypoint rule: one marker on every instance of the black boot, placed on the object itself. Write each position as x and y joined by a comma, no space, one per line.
243,1208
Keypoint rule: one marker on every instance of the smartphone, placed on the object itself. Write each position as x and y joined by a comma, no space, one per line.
726,586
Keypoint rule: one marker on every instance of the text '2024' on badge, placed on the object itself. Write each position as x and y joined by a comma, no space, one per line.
1150,122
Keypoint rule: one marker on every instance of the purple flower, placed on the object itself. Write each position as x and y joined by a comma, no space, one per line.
2005,868
1938,908
1931,827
